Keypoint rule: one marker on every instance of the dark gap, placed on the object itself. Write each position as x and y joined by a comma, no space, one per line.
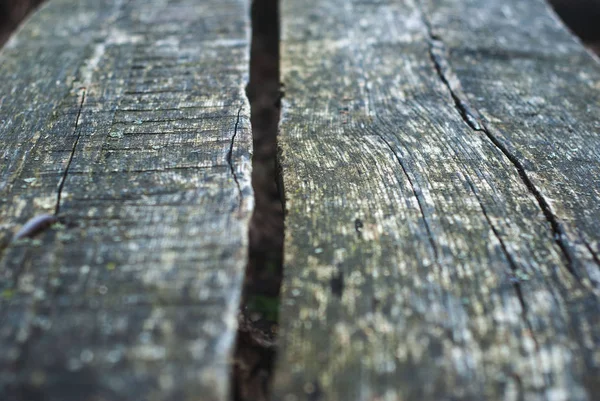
258,316
63,179
583,18
12,12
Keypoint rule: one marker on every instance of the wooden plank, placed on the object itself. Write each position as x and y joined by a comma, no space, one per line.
128,121
538,99
422,260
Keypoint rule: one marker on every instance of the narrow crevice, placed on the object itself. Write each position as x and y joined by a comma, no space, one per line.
416,195
472,118
558,232
515,271
230,156
63,179
592,251
436,53
258,316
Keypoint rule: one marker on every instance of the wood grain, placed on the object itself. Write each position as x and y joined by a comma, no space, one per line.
128,120
438,164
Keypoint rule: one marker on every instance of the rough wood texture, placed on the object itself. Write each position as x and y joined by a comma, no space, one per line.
128,120
440,168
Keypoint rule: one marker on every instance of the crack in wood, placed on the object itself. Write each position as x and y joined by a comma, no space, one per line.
510,259
416,195
513,265
473,119
180,307
36,328
63,179
230,157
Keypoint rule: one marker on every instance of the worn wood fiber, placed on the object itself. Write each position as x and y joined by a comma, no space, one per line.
439,165
128,121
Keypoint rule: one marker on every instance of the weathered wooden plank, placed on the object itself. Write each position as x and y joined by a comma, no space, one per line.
128,120
536,94
421,262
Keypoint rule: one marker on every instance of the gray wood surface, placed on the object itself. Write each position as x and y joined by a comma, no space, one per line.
128,121
440,169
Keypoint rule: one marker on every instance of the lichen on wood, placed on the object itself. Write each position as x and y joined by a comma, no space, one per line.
441,198
128,121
